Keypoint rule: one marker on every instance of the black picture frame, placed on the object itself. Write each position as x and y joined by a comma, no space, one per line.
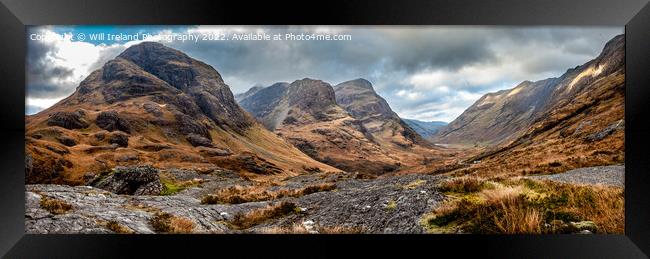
633,14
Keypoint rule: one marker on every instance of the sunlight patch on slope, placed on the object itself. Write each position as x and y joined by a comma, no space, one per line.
514,91
591,71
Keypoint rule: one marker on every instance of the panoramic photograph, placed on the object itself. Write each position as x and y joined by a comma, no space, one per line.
324,130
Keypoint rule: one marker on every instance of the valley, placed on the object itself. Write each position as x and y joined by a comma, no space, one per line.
155,142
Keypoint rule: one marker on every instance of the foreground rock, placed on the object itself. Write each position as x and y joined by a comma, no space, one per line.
385,205
142,180
388,205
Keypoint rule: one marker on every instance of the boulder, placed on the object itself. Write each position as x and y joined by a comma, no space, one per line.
112,121
153,108
119,138
598,136
67,141
584,225
214,151
188,125
68,120
198,140
100,135
138,180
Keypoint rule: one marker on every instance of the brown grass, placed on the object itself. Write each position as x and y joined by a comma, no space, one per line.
530,206
55,206
167,223
254,217
242,194
118,228
515,217
461,184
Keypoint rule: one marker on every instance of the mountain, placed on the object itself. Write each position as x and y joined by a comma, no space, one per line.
347,126
153,105
248,93
359,98
575,120
500,117
425,128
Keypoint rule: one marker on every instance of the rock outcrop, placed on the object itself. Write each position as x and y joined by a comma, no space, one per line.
139,180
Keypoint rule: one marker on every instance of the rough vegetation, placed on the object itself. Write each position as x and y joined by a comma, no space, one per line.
528,206
257,216
55,206
239,194
167,223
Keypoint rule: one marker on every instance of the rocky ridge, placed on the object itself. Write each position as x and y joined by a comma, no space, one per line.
347,126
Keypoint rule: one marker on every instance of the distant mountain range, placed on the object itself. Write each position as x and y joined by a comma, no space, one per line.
425,128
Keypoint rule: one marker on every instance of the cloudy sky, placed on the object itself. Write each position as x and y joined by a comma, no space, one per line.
430,73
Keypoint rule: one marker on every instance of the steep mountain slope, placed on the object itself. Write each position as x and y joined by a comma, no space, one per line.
369,139
362,102
501,117
152,105
580,124
425,128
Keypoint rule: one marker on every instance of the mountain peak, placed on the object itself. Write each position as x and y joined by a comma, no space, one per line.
311,94
360,99
148,51
165,75
172,66
356,83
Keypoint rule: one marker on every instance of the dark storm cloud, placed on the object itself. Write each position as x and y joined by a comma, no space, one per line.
371,53
41,73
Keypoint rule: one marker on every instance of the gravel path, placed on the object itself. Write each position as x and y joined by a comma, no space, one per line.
606,175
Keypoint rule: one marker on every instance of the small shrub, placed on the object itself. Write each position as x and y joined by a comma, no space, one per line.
254,217
118,228
415,184
391,205
167,223
461,185
171,186
55,206
239,194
